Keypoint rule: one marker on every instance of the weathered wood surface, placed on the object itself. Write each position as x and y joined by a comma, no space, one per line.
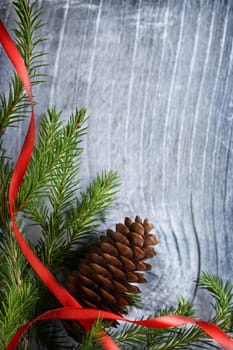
156,78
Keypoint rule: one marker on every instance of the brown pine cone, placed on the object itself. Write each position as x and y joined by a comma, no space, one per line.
103,279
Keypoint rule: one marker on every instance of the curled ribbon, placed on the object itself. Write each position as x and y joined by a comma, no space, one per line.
72,310
160,322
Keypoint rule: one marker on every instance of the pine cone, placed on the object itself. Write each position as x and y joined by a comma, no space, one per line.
103,279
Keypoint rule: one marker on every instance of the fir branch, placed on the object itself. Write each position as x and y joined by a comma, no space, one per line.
15,310
65,180
181,338
164,339
91,338
184,337
5,175
52,176
56,145
15,106
63,227
17,290
90,209
222,293
29,22
62,232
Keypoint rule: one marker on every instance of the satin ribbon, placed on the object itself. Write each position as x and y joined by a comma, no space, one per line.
160,322
72,310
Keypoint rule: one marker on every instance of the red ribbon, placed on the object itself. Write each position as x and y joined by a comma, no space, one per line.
72,310
160,322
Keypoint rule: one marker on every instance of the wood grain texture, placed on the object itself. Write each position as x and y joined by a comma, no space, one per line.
156,78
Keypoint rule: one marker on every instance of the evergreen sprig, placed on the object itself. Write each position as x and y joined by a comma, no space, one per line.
57,145
132,335
28,24
5,175
18,293
222,293
15,106
91,338
186,337
17,290
90,209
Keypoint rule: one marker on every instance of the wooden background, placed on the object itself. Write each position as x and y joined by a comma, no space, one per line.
156,78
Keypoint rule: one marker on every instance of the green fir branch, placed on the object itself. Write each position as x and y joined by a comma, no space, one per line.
5,175
56,145
60,233
222,293
28,24
52,177
18,294
90,339
15,106
90,209
131,335
188,337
